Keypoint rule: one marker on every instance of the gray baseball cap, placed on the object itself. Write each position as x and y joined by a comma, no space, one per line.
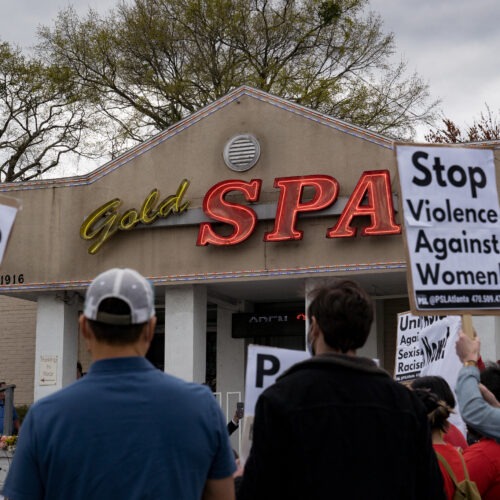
124,284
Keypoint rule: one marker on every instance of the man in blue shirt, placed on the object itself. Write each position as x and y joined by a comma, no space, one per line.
126,429
15,418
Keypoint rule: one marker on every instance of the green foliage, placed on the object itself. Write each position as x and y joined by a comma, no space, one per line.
149,63
329,11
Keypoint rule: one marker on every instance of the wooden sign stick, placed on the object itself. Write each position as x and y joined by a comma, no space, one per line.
467,326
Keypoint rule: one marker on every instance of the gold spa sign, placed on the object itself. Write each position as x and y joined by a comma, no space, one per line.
371,200
105,221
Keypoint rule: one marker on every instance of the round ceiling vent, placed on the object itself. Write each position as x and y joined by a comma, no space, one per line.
242,152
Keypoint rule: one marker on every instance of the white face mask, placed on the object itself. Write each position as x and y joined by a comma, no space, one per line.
310,342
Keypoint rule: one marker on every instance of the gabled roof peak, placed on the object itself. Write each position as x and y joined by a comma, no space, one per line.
197,116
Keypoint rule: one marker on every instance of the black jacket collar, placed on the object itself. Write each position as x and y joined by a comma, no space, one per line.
332,360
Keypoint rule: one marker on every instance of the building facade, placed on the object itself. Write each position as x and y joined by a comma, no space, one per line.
234,214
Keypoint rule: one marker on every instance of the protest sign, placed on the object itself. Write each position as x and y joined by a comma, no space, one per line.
264,365
8,212
437,343
426,346
451,225
409,357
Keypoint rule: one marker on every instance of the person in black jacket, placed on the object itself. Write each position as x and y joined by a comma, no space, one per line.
336,425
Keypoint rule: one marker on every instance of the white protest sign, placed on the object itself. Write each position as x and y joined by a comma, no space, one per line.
452,230
426,346
440,358
409,356
264,365
437,342
8,212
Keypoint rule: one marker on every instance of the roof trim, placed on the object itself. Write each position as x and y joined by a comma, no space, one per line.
213,277
192,119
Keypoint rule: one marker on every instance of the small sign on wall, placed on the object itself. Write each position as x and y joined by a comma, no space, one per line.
48,370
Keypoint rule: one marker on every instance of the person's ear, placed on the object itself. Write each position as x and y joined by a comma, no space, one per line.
149,330
84,327
86,331
314,328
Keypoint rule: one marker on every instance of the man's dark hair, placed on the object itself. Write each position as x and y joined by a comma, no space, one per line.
344,313
115,334
490,378
436,385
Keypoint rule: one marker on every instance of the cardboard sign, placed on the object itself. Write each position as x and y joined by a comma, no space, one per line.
8,212
452,228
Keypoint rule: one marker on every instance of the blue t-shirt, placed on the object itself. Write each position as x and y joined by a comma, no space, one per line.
125,430
2,413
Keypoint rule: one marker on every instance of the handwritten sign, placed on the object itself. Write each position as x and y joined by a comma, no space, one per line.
48,370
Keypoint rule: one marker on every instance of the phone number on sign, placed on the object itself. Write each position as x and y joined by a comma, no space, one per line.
11,279
485,299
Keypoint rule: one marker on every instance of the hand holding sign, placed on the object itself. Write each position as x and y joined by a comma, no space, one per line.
468,348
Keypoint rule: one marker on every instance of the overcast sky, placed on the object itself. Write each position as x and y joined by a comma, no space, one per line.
453,45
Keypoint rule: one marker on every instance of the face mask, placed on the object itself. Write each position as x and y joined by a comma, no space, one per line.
310,343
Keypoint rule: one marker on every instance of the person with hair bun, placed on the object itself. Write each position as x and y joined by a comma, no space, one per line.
440,387
438,412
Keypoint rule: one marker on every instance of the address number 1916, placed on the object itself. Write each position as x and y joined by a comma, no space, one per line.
11,279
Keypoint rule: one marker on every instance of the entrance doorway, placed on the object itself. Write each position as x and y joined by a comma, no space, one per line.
275,324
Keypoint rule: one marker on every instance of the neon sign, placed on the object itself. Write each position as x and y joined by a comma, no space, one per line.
105,221
371,198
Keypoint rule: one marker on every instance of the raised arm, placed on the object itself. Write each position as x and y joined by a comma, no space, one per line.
475,411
